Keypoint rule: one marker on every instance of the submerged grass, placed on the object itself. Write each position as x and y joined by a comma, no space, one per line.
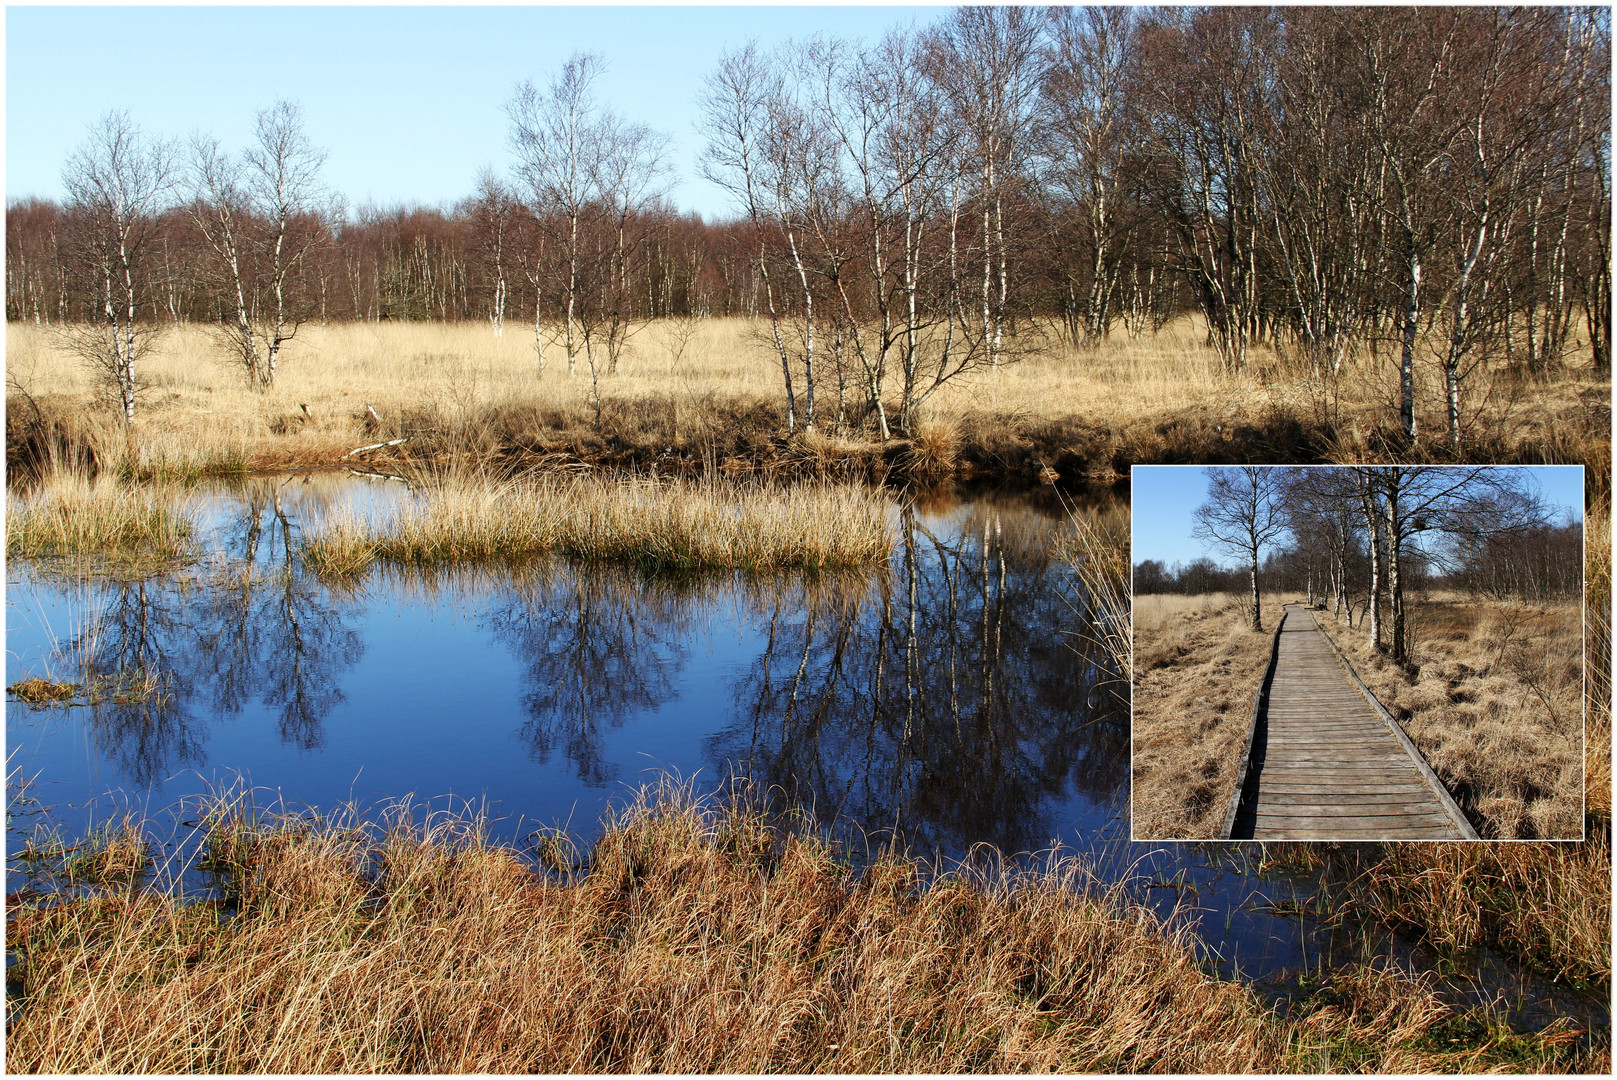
112,855
699,937
659,525
127,686
74,518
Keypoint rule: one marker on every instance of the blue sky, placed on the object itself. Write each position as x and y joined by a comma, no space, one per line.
409,101
1165,498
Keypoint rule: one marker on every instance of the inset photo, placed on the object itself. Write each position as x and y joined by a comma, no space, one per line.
1377,652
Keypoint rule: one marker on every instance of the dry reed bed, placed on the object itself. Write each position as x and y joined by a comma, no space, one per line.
457,389
701,939
1494,701
1546,906
1196,666
71,516
659,525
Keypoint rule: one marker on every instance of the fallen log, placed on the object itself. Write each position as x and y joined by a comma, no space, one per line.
373,446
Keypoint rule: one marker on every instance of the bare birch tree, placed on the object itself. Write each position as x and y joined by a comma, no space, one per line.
263,214
492,212
735,106
117,181
551,137
1243,515
589,173
991,62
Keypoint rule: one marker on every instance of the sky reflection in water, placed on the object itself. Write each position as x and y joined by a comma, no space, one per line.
945,697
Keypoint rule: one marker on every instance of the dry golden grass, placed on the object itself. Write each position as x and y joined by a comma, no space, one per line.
658,525
1197,664
1494,701
1597,661
106,519
1547,906
700,939
1076,413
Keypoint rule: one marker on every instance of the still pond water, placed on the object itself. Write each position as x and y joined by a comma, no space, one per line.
952,699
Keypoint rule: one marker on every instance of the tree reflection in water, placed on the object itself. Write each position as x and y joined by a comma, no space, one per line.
949,696
948,700
598,646
257,627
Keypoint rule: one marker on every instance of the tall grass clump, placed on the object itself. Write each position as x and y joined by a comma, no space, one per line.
657,525
691,937
71,517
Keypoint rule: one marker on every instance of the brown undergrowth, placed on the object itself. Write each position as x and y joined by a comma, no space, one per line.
1197,664
1058,415
1493,698
698,937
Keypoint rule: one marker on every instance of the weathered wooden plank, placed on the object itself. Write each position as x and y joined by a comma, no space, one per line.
1347,802
1345,791
1345,835
1327,766
1357,816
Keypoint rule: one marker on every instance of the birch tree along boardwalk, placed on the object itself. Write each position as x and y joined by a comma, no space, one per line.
1243,516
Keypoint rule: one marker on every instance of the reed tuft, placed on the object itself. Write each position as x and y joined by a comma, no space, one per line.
71,517
656,525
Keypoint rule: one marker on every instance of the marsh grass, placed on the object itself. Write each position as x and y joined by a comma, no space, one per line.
71,517
699,937
1075,414
1493,698
1197,664
661,525
115,854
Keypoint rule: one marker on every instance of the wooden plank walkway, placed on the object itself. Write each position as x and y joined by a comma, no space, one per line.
1325,765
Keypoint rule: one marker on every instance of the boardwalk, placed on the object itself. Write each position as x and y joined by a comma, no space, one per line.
1325,765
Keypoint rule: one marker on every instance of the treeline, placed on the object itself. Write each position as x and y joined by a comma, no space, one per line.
429,264
1423,184
1364,535
1542,563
